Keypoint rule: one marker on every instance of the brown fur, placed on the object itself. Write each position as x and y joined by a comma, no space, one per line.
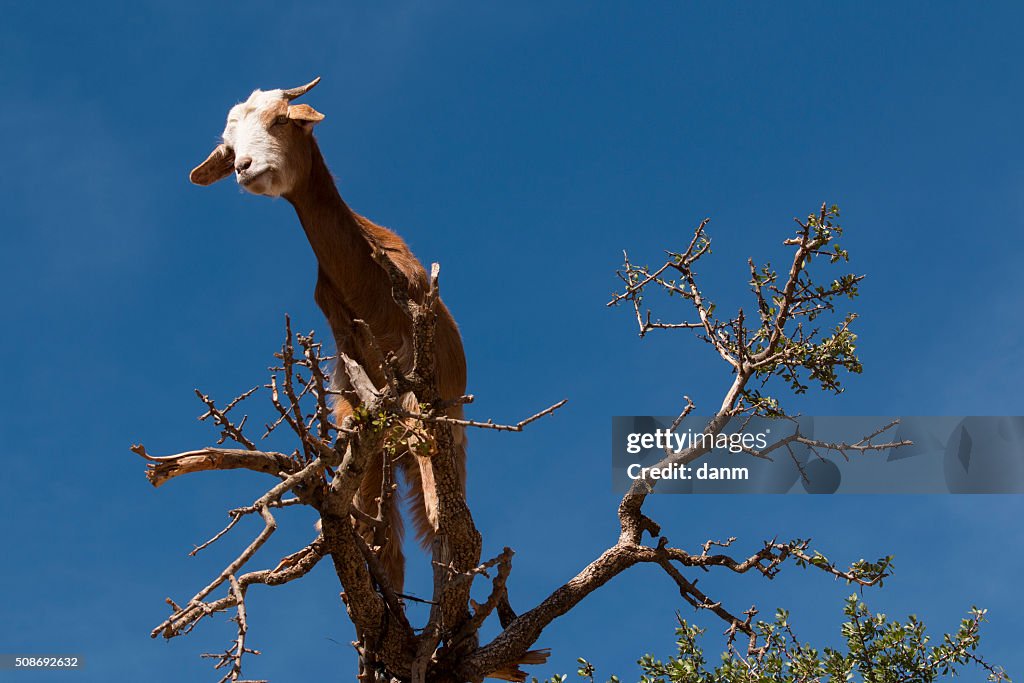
219,164
351,285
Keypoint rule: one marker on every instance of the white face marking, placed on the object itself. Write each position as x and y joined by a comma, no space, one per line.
260,158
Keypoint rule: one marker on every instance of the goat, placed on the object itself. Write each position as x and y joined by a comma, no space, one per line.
268,144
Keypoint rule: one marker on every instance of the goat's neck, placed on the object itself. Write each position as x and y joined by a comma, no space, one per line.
336,235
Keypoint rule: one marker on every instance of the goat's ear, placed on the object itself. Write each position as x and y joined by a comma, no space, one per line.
304,115
220,164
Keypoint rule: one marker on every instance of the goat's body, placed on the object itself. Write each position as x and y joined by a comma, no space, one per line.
351,285
268,144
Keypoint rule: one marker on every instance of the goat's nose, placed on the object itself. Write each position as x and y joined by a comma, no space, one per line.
242,164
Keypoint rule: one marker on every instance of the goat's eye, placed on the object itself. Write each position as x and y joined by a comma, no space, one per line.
282,119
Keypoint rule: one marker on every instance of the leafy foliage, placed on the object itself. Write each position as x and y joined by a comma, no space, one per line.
877,650
787,338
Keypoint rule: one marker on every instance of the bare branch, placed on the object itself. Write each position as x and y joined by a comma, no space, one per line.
229,430
164,468
489,424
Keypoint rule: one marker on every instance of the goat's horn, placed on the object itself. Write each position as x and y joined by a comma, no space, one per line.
292,93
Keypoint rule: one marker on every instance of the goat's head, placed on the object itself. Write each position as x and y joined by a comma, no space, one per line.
265,143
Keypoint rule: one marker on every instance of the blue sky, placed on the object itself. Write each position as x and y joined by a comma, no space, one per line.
523,146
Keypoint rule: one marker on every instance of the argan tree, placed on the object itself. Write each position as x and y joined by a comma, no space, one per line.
782,337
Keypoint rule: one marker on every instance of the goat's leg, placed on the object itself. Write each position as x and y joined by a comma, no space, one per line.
419,474
377,497
386,536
